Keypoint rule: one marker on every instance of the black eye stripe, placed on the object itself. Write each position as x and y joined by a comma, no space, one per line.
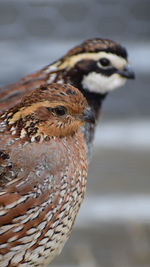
107,71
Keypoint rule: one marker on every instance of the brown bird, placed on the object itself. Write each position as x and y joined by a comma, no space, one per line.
43,173
95,67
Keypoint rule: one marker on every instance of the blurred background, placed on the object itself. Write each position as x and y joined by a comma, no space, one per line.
113,225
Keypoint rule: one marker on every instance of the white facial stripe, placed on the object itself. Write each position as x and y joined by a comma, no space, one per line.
95,82
116,61
52,67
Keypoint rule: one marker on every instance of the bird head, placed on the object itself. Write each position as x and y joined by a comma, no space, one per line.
50,111
98,65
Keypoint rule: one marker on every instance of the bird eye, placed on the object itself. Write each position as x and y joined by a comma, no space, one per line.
60,110
104,62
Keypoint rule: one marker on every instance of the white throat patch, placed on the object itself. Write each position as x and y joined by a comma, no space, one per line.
98,83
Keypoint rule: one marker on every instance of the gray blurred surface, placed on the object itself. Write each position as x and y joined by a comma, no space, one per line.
113,226
33,33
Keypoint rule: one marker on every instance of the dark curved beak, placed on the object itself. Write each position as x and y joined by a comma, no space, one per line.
127,72
87,116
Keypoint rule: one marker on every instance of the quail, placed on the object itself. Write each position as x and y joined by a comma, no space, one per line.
43,172
95,67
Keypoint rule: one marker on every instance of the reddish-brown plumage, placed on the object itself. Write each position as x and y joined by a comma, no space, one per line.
42,180
96,67
58,71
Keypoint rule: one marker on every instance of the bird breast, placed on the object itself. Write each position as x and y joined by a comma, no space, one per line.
49,188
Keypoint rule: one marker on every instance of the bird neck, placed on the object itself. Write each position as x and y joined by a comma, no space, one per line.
94,99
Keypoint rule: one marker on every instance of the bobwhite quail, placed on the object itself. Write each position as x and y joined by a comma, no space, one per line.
43,173
95,67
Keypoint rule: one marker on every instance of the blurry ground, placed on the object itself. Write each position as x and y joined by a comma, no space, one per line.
113,225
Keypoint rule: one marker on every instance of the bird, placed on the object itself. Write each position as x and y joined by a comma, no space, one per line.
43,170
96,67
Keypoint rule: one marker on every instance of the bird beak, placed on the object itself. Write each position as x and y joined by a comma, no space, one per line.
127,72
87,116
